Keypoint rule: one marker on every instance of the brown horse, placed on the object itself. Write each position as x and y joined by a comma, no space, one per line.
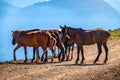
36,39
87,37
60,44
68,43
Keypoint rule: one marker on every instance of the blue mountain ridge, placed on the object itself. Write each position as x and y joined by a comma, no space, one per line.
72,12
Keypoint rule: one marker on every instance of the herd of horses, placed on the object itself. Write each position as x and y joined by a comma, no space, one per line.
63,39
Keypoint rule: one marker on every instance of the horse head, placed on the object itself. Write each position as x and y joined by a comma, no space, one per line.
63,29
64,32
15,35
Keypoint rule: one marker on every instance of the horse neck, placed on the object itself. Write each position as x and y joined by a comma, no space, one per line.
18,35
71,32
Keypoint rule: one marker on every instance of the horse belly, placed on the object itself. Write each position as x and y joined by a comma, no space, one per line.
28,41
89,41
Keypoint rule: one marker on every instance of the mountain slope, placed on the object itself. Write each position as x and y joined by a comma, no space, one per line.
72,12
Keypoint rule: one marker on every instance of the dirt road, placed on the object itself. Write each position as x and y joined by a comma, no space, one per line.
68,70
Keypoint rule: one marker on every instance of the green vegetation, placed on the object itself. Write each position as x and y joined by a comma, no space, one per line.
5,62
115,34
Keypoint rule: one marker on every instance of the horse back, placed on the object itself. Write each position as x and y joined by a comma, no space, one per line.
89,37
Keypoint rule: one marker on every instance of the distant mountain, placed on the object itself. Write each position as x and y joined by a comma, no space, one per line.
77,13
6,9
3,7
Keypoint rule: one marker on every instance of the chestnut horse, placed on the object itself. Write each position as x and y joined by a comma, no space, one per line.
59,43
87,37
36,39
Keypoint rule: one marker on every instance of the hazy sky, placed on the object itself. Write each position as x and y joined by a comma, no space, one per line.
114,3
24,3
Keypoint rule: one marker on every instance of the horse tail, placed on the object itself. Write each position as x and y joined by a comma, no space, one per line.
48,41
109,34
54,42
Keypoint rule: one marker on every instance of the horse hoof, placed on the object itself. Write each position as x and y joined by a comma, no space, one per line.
76,62
25,61
81,62
14,59
67,59
32,60
45,61
104,62
94,62
51,61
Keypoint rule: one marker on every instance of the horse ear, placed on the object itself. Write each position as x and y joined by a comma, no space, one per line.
65,26
61,26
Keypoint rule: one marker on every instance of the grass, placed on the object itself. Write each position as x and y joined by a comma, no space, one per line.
115,34
5,62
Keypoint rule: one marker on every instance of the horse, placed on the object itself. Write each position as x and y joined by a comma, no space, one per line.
33,38
59,43
87,37
68,43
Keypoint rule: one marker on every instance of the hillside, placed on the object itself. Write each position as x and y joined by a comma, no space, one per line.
115,34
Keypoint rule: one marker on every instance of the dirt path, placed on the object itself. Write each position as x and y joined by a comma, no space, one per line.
66,70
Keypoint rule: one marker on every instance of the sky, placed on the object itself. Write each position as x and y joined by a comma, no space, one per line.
24,3
50,14
114,3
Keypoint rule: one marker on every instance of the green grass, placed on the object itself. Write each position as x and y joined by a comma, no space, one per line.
5,62
115,34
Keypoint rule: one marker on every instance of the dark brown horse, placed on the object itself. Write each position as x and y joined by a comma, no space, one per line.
87,37
68,44
61,43
36,39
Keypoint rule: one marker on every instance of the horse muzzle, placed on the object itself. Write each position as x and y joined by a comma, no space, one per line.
13,42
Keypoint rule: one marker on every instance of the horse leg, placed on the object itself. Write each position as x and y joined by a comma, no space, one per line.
106,50
25,52
63,54
14,55
72,52
68,53
33,55
59,55
53,53
78,51
46,56
42,57
99,52
37,54
82,52
58,52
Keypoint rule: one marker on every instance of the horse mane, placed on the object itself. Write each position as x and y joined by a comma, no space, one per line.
79,30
